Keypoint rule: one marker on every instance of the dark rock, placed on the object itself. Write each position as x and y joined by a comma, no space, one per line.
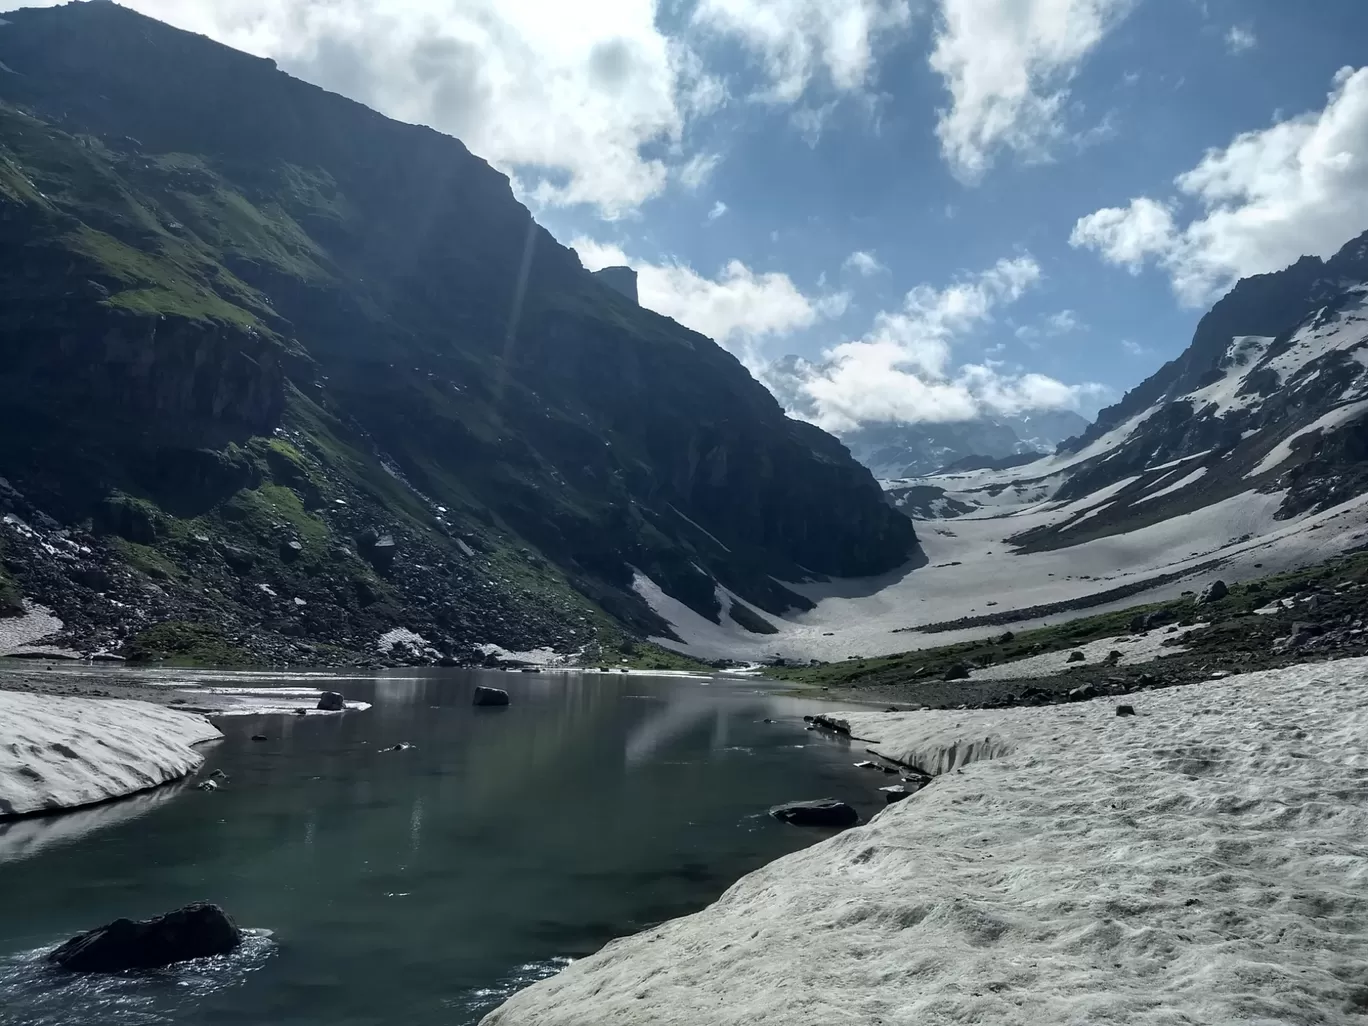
1213,592
196,931
1139,623
1125,710
1083,693
824,812
331,701
1077,657
490,697
1113,657
260,737
238,559
957,671
896,793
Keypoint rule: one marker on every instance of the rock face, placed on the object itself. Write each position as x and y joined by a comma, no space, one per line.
196,931
1271,394
824,812
283,324
490,697
620,279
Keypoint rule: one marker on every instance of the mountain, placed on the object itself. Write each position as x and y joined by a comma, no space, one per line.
898,450
288,380
1268,403
912,450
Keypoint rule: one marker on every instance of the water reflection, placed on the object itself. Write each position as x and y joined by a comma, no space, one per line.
421,886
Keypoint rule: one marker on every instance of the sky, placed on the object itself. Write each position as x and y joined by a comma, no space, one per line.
945,208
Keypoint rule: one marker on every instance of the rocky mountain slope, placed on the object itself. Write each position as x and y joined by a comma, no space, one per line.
288,380
1268,399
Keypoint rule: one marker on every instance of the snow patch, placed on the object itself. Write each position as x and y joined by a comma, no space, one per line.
1201,862
1329,421
18,632
60,753
1177,486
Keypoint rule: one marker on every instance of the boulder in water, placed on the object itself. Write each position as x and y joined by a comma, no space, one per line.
332,701
490,696
196,931
824,812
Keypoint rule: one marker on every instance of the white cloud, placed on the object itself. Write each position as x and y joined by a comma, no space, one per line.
1135,348
1240,38
694,174
865,263
1127,236
718,209
903,368
795,40
1007,64
1299,187
740,308
1064,322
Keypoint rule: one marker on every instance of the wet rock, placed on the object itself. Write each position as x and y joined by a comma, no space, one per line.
196,931
824,812
896,793
490,697
331,701
1213,592
260,737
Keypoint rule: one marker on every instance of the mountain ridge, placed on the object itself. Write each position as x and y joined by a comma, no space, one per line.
285,363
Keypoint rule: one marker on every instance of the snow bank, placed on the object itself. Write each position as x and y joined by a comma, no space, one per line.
60,753
1202,862
1134,649
18,632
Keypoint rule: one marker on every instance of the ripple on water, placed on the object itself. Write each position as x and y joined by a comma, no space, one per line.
36,994
485,999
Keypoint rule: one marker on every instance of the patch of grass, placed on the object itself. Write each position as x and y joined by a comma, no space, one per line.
185,644
148,560
11,598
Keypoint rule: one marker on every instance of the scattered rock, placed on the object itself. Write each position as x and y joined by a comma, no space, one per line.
490,696
896,793
1113,657
260,737
1083,693
196,931
207,785
1077,657
1125,710
402,746
824,812
1213,592
331,701
957,671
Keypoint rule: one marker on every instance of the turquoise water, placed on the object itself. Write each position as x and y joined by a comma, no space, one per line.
423,886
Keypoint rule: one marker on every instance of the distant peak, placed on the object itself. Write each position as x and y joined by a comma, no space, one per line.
620,279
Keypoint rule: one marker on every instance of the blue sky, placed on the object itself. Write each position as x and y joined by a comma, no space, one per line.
946,207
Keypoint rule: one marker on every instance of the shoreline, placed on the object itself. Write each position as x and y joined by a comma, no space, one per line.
1065,863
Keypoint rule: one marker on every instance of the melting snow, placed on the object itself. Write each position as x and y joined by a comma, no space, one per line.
1178,485
1201,862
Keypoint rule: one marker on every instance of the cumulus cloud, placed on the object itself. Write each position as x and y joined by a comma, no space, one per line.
1007,65
739,308
864,263
1298,187
903,368
1240,38
797,40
